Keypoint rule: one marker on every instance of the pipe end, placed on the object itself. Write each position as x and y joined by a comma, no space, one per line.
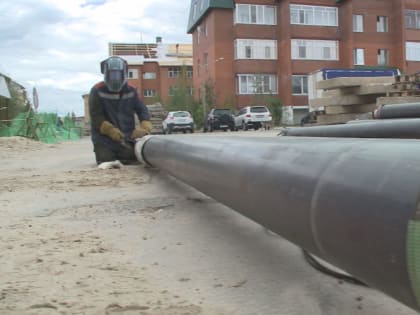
138,149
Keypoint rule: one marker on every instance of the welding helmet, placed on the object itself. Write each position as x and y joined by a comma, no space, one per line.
114,70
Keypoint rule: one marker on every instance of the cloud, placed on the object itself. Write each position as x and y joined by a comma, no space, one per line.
57,45
93,2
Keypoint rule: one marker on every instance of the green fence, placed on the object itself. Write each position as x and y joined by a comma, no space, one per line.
45,127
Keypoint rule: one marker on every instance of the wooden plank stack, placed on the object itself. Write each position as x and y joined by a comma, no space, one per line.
405,85
349,98
405,89
157,115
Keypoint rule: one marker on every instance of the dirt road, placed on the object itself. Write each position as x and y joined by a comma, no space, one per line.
79,240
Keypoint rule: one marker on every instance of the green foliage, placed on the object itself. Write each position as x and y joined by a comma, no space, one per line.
210,94
197,112
275,106
273,103
181,98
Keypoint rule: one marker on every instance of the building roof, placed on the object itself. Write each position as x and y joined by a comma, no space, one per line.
163,54
199,9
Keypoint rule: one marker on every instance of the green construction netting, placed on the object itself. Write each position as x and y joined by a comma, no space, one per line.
45,127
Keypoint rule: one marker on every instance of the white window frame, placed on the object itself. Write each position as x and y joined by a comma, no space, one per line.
359,56
255,14
302,81
313,15
412,51
256,49
149,75
249,84
383,57
133,74
310,49
189,72
358,23
382,24
149,93
412,19
174,72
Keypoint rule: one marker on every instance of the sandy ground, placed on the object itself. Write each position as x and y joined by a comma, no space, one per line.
79,240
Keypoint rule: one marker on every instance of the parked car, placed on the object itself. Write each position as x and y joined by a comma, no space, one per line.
219,119
253,117
178,121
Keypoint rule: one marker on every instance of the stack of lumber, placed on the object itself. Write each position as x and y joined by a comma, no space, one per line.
157,115
349,98
406,89
405,85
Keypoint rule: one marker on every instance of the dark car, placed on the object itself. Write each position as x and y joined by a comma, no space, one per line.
219,119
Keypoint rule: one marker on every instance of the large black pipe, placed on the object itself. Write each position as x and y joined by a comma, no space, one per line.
406,110
351,202
395,128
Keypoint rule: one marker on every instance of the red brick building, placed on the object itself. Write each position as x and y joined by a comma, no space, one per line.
154,68
268,47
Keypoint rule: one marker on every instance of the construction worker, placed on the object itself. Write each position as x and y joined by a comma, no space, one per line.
112,106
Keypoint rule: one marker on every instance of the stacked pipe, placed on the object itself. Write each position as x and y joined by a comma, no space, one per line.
406,110
352,202
401,121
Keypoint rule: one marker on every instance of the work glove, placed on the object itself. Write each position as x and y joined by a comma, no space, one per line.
111,131
144,129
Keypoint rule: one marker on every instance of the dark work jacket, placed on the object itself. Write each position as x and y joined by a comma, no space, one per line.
117,108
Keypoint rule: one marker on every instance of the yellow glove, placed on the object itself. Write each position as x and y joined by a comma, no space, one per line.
111,131
146,125
144,129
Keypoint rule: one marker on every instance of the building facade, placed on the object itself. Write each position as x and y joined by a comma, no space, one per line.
154,69
253,49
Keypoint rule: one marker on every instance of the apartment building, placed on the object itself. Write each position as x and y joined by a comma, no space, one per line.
269,47
154,68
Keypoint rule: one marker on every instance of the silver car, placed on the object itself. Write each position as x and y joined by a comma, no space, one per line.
253,117
178,121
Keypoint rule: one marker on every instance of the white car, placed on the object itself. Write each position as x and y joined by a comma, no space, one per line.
178,121
253,117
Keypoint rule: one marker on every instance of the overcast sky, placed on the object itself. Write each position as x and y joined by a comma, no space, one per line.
57,45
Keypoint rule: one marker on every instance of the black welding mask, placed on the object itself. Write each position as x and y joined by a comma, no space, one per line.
115,73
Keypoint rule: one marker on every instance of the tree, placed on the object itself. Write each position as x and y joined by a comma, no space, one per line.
181,97
272,102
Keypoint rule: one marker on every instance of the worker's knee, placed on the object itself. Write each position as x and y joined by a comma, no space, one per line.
103,154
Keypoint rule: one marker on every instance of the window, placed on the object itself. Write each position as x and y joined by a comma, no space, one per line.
257,84
299,84
313,15
412,19
173,89
149,93
189,73
174,72
382,57
357,23
255,49
255,14
359,56
314,49
204,28
382,24
149,75
133,74
412,51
